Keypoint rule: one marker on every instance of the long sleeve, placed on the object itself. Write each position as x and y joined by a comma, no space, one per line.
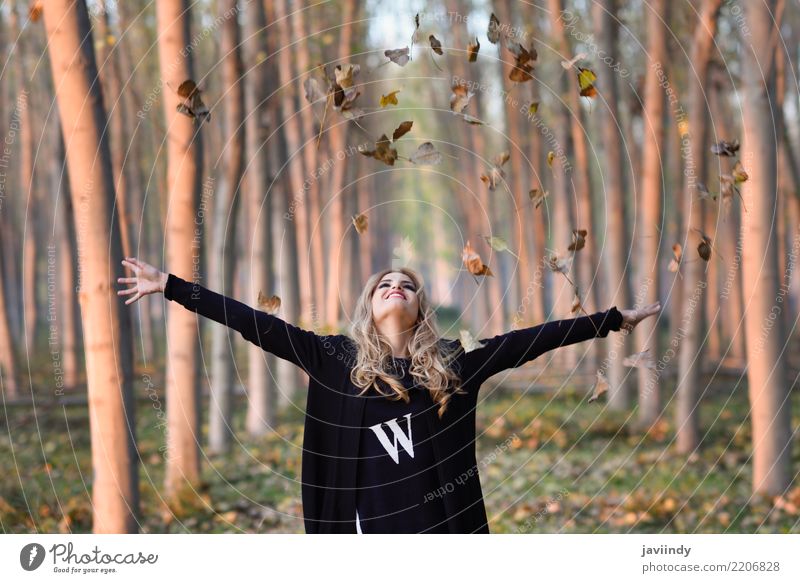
517,347
301,347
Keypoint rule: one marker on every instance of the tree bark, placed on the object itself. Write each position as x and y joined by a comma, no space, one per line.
651,224
337,137
616,253
223,257
768,385
690,356
259,203
115,493
184,166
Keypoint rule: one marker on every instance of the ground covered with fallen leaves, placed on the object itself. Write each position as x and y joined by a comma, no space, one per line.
548,463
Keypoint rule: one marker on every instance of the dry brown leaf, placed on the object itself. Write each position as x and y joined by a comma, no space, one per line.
402,130
472,51
600,387
270,305
360,223
578,239
436,45
459,99
472,261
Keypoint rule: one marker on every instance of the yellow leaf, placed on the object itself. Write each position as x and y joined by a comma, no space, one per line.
391,98
586,79
550,157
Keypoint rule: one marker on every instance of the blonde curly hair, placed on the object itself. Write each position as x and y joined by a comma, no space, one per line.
431,356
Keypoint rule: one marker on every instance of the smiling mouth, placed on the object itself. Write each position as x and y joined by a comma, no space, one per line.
394,294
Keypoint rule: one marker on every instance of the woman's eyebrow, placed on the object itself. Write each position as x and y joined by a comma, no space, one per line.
403,281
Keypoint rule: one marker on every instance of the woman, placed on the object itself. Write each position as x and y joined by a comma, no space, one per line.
389,440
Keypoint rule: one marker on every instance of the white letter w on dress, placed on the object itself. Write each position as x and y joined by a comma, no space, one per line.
405,440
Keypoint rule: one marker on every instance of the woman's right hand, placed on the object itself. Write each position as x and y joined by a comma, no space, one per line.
148,280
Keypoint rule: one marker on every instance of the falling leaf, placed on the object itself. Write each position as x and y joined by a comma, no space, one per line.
493,32
576,302
677,253
416,29
360,223
600,387
499,244
383,151
739,174
192,104
501,158
426,155
345,73
471,120
35,10
468,342
398,56
571,63
537,197
522,69
533,107
270,305
586,79
473,262
436,45
724,148
389,99
550,157
641,359
313,91
494,176
704,192
404,252
460,96
578,239
472,50
704,248
402,130
559,264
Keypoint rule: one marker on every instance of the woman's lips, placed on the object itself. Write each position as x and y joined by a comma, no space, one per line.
395,294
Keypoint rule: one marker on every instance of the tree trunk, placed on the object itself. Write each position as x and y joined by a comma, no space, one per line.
26,187
310,163
616,253
768,384
651,224
223,256
184,166
115,493
337,136
259,202
67,245
690,357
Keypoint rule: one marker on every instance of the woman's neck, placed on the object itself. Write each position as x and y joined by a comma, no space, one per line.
398,336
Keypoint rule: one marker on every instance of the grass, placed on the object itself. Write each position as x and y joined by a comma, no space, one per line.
548,463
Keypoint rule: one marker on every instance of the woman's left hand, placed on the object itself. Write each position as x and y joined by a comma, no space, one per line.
632,317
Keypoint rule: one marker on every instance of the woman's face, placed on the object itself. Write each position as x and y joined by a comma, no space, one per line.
395,298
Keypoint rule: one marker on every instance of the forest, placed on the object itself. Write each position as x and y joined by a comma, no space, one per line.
533,160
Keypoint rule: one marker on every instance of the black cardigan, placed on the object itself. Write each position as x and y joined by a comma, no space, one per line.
333,420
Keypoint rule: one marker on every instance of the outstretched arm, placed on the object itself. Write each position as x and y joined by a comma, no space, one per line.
301,347
517,347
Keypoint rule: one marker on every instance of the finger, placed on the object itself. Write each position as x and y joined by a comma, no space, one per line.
126,279
130,265
133,299
126,292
